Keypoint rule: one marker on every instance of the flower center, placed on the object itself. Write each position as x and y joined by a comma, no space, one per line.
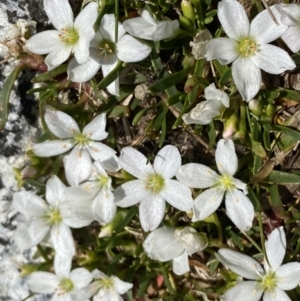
54,216
81,139
155,183
226,182
247,47
66,285
269,281
106,48
107,283
69,35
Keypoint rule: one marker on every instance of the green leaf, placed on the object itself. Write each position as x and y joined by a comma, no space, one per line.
169,81
275,201
225,78
192,95
254,199
211,135
129,216
290,94
119,111
174,99
43,77
281,177
4,95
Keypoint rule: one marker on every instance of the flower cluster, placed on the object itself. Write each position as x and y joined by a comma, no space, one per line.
164,204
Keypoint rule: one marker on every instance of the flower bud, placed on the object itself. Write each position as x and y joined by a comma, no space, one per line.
256,107
230,126
188,10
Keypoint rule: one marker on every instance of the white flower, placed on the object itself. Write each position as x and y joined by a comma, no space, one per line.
64,284
167,243
53,216
78,164
94,200
206,111
247,47
271,281
105,53
70,37
104,288
290,16
147,28
154,185
239,208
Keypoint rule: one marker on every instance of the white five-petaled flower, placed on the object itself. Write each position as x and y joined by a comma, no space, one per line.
78,164
247,47
105,52
54,216
146,27
206,111
271,281
104,288
70,37
290,16
167,243
239,208
154,185
94,200
65,285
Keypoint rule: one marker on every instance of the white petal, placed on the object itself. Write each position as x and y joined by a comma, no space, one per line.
62,265
207,203
61,124
43,42
58,55
78,166
292,38
288,276
151,211
212,93
140,28
121,286
241,264
245,290
247,77
222,49
226,158
108,64
42,282
86,19
80,73
130,50
135,163
81,50
192,241
162,245
104,207
130,193
197,175
31,233
104,154
181,264
68,211
81,278
276,295
29,204
59,13
233,18
275,247
96,128
178,195
77,194
167,161
289,14
239,209
62,239
53,148
55,191
264,30
83,210
107,28
85,293
273,59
